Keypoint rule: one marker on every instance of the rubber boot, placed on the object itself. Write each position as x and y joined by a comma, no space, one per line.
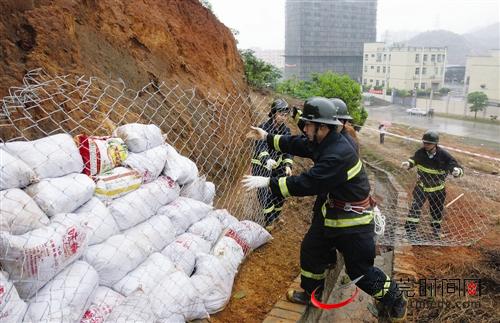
397,313
299,297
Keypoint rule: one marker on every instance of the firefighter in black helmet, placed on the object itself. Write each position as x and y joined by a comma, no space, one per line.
267,162
345,219
344,117
433,164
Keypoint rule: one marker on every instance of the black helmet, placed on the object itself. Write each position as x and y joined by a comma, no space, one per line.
320,110
431,137
342,112
279,105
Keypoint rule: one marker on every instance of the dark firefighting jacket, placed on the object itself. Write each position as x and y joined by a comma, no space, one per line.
432,172
261,152
337,174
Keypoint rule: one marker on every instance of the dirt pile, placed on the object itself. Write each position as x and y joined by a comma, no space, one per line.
135,41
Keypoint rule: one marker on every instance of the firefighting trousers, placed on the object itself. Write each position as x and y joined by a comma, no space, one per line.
436,206
358,251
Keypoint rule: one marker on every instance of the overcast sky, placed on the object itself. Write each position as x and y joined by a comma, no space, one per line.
261,23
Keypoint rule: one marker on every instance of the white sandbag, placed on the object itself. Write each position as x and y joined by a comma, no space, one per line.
99,221
146,276
184,212
99,226
35,257
19,213
100,154
229,252
143,203
14,173
139,137
148,163
208,228
64,298
135,308
224,217
214,282
181,169
182,252
200,190
116,183
153,234
251,232
63,194
49,157
12,308
114,258
176,295
105,299
182,258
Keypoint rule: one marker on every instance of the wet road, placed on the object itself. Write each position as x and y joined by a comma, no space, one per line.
483,134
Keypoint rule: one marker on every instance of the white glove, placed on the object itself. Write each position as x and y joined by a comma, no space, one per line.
270,163
456,172
252,182
256,133
288,171
405,165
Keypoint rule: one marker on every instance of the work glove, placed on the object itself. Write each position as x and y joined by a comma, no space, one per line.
252,182
296,113
456,172
256,133
288,171
270,163
405,165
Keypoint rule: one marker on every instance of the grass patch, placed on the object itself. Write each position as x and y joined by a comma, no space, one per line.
467,118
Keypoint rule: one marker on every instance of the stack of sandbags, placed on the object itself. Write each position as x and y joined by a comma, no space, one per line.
20,213
12,308
200,190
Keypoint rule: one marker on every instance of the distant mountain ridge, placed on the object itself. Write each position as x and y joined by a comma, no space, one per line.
459,46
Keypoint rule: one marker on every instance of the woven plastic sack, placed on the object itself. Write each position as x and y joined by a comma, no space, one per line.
101,154
181,169
139,137
104,300
116,183
14,173
19,213
12,308
148,163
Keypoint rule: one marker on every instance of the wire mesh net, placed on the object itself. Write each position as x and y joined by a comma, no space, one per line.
164,212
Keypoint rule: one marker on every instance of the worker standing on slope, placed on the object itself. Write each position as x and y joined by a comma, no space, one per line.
345,219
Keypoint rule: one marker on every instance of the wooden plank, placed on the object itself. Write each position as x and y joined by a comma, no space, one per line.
285,314
274,319
290,306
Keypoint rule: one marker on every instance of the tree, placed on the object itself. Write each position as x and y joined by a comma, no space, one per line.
479,100
329,85
259,73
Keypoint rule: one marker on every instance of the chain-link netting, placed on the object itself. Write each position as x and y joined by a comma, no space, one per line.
129,202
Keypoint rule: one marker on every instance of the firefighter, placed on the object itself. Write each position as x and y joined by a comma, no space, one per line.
433,165
267,162
345,219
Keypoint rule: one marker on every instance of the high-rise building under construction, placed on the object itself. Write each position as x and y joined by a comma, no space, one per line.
328,35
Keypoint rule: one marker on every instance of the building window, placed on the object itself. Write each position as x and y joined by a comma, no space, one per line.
415,85
371,81
417,58
379,57
366,68
366,57
376,83
383,69
442,70
417,71
436,71
422,85
378,69
364,81
424,70
383,83
425,57
433,58
371,67
373,55
439,57
385,57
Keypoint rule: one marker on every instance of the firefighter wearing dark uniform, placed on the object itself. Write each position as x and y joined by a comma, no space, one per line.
345,219
433,165
266,162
